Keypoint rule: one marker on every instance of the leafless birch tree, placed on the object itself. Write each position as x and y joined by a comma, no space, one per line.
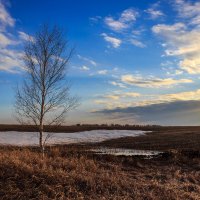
44,98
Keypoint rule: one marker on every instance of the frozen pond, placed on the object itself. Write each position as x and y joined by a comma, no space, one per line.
125,152
31,138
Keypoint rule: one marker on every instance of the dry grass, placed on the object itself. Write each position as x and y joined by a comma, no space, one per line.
66,173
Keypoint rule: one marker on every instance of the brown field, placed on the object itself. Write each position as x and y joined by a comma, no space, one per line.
179,138
70,172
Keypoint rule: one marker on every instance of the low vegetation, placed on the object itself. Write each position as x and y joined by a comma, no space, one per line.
69,172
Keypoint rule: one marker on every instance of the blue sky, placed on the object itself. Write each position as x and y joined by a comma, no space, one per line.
135,61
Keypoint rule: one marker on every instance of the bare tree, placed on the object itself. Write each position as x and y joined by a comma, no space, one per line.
44,98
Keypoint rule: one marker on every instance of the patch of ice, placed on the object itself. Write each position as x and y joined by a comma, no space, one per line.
31,138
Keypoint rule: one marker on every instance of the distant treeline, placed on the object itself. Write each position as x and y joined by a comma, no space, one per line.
88,127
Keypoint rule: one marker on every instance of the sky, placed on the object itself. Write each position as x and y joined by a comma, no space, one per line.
135,62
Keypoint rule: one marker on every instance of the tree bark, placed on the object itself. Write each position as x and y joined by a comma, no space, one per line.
41,138
41,127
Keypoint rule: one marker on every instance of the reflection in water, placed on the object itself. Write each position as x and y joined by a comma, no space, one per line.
125,152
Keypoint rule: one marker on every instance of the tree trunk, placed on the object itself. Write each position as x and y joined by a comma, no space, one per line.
41,123
41,140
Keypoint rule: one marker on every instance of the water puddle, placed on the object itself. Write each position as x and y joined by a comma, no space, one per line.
126,152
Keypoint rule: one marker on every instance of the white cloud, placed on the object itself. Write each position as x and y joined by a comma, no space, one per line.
137,32
137,43
121,85
102,72
189,10
183,39
183,43
173,97
128,15
115,42
120,24
182,96
167,29
132,94
85,68
92,62
10,53
122,95
114,24
95,19
119,100
196,20
97,101
154,14
178,72
24,36
152,83
173,72
5,18
166,63
125,20
10,60
6,41
168,66
114,97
